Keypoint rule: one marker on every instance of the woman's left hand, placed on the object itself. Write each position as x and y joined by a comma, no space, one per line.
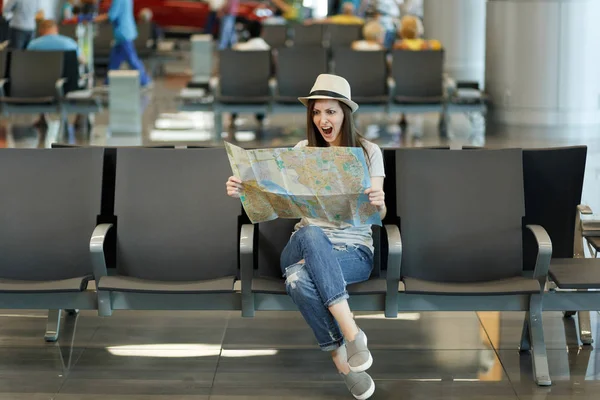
376,197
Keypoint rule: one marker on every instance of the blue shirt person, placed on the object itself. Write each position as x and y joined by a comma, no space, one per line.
120,15
50,40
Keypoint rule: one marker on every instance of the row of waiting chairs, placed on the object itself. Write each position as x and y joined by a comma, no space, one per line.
316,35
44,82
272,81
154,230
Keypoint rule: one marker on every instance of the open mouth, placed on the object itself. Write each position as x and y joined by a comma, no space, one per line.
327,131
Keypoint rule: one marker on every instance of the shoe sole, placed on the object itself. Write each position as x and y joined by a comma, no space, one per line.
368,393
366,365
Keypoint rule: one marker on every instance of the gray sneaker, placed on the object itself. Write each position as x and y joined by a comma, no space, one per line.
359,356
360,384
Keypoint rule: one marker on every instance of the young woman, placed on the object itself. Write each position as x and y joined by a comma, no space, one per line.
322,257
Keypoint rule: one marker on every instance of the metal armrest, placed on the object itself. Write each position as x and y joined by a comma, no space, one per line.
450,86
273,87
3,83
97,251
584,209
393,270
247,268
544,254
214,85
394,253
583,228
391,84
59,86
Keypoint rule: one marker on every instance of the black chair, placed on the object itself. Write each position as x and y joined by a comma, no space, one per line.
296,71
553,187
79,99
4,68
33,90
243,77
263,287
275,35
460,219
418,79
177,243
367,88
553,181
103,40
343,35
107,205
72,73
69,30
4,63
243,84
308,35
50,201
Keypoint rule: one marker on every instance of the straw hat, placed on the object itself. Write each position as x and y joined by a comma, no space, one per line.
330,87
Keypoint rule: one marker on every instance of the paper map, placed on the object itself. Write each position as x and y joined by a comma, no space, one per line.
316,182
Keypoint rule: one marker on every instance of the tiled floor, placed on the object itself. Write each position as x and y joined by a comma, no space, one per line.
221,356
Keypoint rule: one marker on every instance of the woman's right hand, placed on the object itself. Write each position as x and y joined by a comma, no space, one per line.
234,186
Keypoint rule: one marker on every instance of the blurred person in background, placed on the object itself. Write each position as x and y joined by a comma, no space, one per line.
227,16
388,14
50,40
255,41
291,10
355,3
373,34
412,7
67,11
22,15
145,16
125,32
410,36
212,19
347,17
276,18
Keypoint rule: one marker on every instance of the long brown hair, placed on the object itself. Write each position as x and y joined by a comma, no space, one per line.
350,135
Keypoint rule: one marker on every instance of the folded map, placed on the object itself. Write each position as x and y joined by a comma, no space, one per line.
315,182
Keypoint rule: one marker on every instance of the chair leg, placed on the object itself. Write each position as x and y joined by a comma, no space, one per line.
248,309
53,325
525,344
538,352
585,328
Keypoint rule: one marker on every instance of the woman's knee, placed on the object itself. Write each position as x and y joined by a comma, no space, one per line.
299,284
311,234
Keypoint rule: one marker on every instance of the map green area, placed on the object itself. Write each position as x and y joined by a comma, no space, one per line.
327,183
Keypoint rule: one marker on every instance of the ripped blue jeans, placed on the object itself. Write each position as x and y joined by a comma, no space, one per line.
320,281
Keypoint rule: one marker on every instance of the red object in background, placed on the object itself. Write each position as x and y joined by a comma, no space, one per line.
173,15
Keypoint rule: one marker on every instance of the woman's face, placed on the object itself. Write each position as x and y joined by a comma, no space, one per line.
328,117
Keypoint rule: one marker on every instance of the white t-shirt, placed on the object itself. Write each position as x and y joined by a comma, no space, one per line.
365,45
255,44
341,233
